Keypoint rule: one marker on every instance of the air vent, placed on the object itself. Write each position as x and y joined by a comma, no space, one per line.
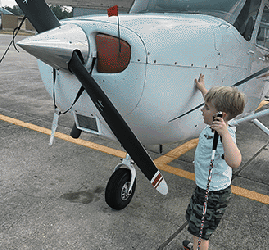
87,124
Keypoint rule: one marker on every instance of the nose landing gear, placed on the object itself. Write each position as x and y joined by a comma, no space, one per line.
121,186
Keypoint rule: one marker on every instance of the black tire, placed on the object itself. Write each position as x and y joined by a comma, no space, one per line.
75,133
116,196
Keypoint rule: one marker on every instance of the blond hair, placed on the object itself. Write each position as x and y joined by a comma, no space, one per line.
226,99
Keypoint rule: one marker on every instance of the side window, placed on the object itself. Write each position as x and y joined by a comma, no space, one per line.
247,17
263,34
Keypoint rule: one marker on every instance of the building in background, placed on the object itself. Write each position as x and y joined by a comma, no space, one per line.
90,7
3,12
8,22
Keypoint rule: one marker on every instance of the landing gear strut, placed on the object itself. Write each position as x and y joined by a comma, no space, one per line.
121,186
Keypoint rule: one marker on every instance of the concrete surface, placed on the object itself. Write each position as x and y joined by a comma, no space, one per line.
52,197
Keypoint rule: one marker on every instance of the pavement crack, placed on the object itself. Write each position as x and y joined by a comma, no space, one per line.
237,173
175,234
253,180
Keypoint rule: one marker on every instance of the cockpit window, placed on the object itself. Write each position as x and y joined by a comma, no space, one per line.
240,13
245,21
263,34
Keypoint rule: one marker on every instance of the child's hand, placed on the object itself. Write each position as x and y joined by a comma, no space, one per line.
232,154
200,84
220,126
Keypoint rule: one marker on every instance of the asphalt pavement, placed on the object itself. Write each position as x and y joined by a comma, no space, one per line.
52,197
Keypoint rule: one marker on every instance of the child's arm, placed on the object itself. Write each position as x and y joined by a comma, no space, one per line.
200,84
232,154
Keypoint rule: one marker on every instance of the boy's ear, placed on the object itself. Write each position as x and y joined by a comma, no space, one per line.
224,116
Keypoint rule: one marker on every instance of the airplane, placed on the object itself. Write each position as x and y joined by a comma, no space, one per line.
131,77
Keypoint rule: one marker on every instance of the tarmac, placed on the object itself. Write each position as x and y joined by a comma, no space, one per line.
52,197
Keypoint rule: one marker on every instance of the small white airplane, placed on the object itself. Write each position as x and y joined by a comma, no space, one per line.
138,71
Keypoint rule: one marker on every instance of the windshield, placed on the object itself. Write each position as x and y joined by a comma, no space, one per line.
228,10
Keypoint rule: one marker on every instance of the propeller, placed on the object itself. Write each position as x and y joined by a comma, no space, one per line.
39,14
59,50
117,124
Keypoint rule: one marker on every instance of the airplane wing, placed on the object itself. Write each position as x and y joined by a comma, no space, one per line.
45,21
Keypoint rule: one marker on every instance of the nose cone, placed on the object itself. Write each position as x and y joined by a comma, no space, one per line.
55,47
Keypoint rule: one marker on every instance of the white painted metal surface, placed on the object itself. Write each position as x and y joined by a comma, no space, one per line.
261,126
168,51
55,47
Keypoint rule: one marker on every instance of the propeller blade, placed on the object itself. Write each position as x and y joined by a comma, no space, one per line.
39,14
117,124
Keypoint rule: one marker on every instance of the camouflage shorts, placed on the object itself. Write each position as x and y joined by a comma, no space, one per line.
217,204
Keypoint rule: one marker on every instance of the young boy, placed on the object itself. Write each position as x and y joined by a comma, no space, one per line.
231,102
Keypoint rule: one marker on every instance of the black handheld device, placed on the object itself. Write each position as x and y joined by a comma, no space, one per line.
219,114
216,135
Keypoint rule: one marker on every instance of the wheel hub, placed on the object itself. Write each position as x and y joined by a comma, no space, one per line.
124,191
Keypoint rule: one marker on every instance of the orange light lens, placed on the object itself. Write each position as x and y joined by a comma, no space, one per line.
112,58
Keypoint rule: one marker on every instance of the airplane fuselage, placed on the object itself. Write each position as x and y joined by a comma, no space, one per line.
167,53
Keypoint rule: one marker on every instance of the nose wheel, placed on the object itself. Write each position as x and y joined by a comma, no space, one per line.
117,194
121,185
